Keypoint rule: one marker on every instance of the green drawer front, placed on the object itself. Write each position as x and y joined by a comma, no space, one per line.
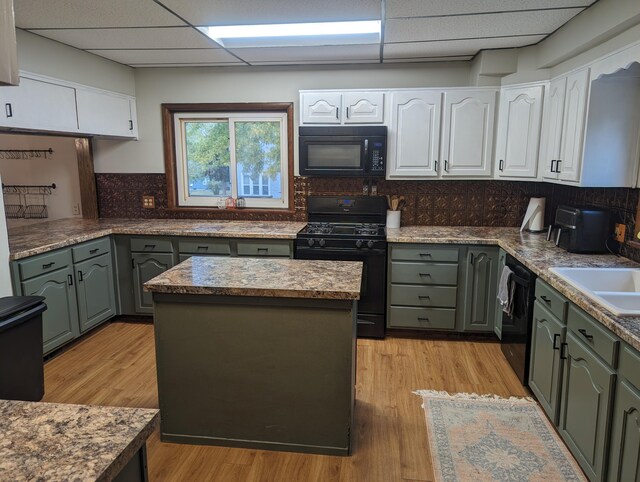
628,365
424,273
90,249
424,253
426,318
442,296
204,246
44,263
151,245
264,248
552,300
589,331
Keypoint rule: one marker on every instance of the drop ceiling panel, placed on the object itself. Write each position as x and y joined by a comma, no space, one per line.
92,13
169,57
476,26
131,38
249,12
308,54
454,47
427,8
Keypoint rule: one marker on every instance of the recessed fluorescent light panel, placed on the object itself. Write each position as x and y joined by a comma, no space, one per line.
296,34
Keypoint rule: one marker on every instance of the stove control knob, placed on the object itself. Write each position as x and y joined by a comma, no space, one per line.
311,242
321,242
359,243
369,244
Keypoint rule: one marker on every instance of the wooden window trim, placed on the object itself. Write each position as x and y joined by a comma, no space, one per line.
168,135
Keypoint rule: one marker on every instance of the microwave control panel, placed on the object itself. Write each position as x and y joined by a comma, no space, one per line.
377,157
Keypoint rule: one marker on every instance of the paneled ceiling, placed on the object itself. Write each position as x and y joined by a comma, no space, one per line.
159,33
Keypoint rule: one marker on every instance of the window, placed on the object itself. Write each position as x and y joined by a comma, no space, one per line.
215,151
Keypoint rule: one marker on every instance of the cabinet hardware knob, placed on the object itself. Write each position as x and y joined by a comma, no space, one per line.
423,319
149,246
435,165
552,169
80,276
446,166
425,254
48,265
94,251
563,353
584,333
337,112
546,300
203,248
424,297
558,165
8,110
501,165
347,112
555,341
70,280
425,274
470,258
130,125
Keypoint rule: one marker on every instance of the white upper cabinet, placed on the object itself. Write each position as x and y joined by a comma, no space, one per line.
331,107
467,133
105,113
518,132
38,105
8,46
414,135
575,107
552,127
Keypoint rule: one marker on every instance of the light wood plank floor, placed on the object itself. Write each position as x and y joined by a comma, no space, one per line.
116,366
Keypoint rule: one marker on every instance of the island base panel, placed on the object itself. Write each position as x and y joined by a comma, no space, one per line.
259,373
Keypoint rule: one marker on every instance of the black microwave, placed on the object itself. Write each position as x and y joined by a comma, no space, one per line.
358,151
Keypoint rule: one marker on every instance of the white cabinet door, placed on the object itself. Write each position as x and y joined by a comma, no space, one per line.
363,107
104,113
8,47
414,135
552,127
39,105
467,133
573,126
518,136
323,108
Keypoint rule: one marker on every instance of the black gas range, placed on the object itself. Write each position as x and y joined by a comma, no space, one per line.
351,228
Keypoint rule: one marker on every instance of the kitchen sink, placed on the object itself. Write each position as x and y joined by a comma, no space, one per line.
617,289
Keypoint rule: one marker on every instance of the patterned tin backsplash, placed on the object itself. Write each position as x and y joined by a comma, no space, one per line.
436,203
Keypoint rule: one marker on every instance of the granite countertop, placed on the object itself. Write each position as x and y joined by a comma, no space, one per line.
59,442
536,253
265,277
39,238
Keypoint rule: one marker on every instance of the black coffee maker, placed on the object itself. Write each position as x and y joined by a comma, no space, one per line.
581,229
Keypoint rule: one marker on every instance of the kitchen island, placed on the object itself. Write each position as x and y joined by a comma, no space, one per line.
257,353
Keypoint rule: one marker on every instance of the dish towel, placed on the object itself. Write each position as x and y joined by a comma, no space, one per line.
505,291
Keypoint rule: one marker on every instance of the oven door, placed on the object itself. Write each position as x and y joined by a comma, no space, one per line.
371,305
332,156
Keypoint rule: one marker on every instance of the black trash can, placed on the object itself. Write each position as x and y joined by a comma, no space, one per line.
21,367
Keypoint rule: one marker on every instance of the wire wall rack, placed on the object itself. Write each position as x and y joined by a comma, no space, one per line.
26,201
25,153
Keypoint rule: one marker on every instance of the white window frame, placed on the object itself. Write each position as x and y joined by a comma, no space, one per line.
182,179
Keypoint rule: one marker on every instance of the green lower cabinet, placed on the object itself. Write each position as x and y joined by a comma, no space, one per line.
625,435
585,408
95,292
480,289
545,370
60,320
502,262
145,267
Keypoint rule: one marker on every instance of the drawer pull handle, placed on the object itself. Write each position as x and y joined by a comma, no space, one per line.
80,276
48,265
94,251
70,280
563,354
546,300
425,274
555,341
584,333
149,246
425,254
424,297
420,318
263,250
203,248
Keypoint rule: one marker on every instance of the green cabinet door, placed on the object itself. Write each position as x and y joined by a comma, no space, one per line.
545,370
497,319
625,435
145,267
585,406
60,320
480,289
96,299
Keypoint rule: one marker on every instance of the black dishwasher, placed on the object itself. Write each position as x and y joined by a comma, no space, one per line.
516,328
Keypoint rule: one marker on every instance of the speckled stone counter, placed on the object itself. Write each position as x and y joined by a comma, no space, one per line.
39,238
58,442
266,277
536,253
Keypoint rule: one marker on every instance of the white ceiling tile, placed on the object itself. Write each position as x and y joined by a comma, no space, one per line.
325,53
476,26
454,47
251,12
131,38
429,59
92,13
426,8
172,57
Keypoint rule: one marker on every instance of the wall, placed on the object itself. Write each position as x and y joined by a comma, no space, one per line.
60,168
5,278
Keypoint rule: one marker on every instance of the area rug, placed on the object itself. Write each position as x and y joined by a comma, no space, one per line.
488,438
